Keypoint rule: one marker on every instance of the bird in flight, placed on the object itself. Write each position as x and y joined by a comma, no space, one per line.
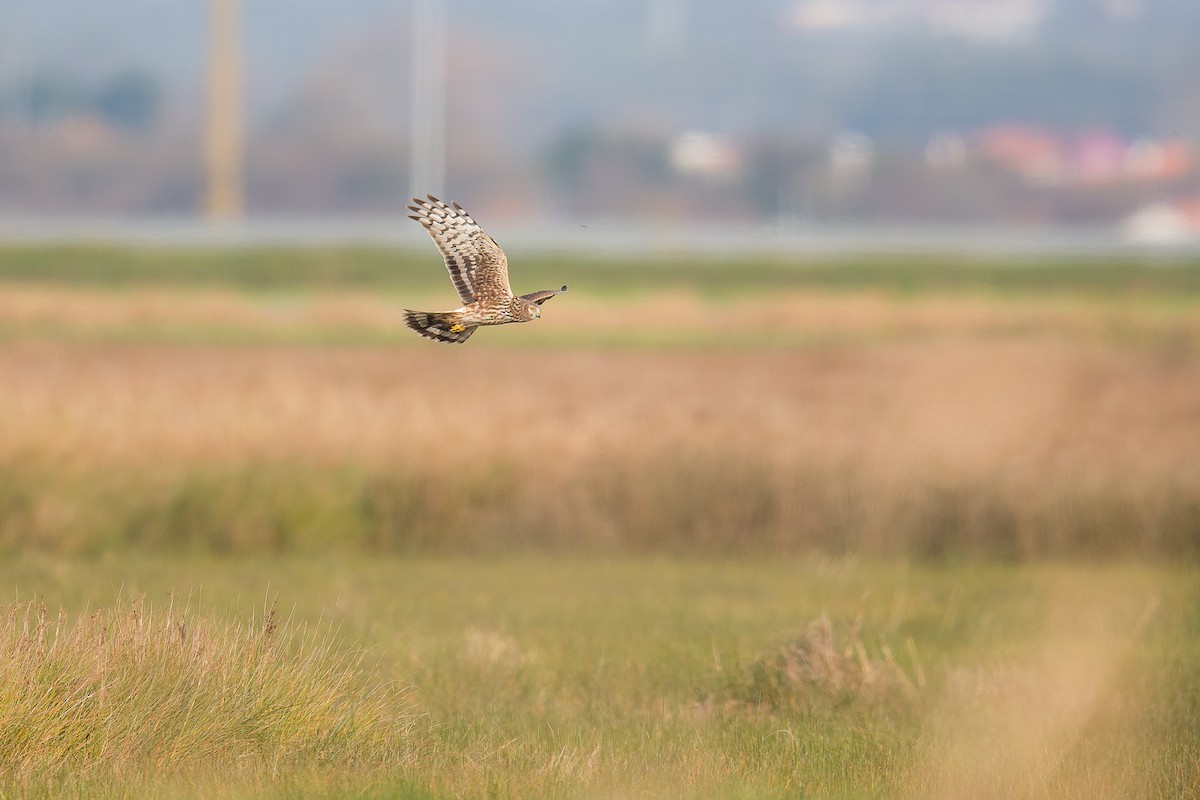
479,270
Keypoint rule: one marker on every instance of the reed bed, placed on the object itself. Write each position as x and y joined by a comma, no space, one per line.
1009,446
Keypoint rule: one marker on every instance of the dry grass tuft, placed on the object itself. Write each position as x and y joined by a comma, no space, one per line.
129,693
816,672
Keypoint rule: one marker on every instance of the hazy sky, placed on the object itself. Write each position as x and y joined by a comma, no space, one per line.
729,67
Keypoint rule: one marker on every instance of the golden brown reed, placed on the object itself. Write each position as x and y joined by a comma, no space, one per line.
1015,446
41,310
757,319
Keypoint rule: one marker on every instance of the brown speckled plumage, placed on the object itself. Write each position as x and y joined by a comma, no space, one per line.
479,270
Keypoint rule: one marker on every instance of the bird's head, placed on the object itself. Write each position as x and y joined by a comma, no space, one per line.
530,305
529,311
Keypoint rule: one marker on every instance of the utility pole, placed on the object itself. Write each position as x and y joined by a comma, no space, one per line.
223,134
427,148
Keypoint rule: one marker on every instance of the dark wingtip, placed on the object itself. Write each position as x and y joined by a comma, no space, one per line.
433,199
564,288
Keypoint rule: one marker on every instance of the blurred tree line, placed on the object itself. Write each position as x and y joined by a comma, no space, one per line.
130,99
542,124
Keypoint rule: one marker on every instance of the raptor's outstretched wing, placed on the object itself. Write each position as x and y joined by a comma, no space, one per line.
476,263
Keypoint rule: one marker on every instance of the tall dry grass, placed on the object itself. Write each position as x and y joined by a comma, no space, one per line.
132,694
1016,446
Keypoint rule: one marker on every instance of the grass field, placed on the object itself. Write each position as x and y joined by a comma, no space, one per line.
538,677
872,528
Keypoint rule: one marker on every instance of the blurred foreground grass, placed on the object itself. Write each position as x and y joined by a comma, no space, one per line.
534,677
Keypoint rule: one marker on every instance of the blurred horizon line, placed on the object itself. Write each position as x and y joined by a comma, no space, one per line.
604,237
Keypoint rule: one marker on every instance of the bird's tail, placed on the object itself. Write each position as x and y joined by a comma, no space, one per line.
441,326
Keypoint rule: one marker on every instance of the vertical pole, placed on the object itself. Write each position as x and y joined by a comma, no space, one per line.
223,135
427,147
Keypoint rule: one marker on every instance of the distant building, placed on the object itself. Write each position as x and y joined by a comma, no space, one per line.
1150,160
851,153
1032,151
705,155
976,19
819,15
1096,157
1163,223
946,151
986,19
1046,158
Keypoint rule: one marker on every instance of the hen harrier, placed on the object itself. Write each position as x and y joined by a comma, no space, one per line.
480,273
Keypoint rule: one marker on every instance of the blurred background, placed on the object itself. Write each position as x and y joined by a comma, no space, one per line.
883,331
1050,115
